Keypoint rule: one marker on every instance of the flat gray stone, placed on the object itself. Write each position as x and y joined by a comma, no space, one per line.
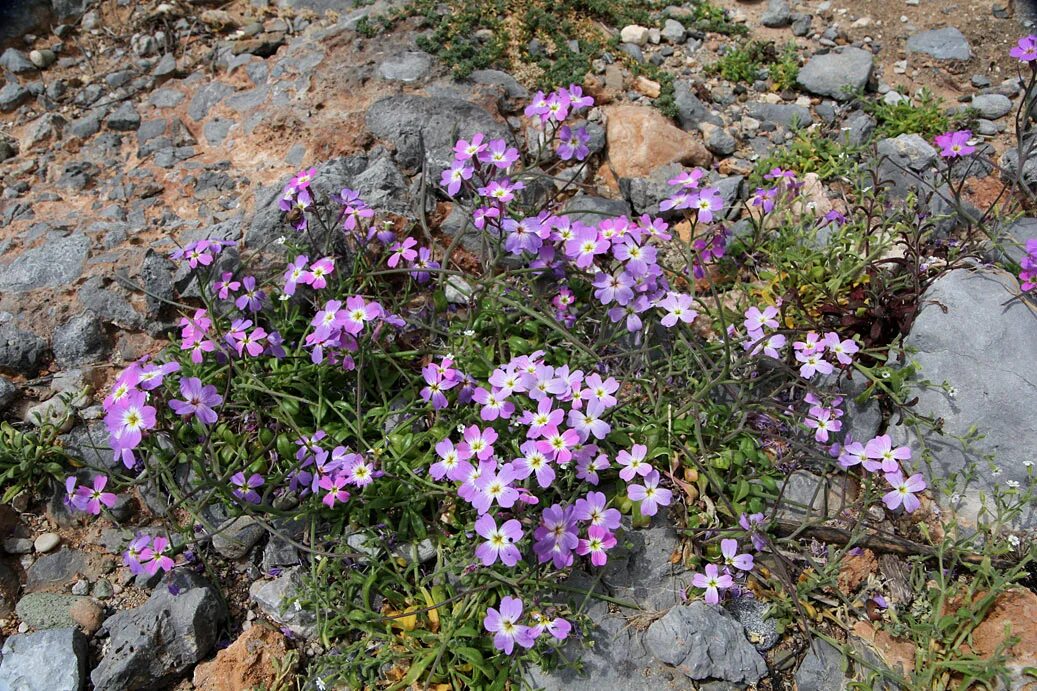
407,67
971,333
788,115
46,610
237,536
277,600
992,106
53,660
80,340
943,44
837,74
56,263
821,668
21,352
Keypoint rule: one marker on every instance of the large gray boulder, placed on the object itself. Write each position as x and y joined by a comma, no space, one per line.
973,334
55,263
52,660
837,74
154,644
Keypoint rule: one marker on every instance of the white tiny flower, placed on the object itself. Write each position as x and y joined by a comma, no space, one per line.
955,498
1028,464
460,429
952,391
281,240
469,332
1013,540
996,471
284,297
1012,483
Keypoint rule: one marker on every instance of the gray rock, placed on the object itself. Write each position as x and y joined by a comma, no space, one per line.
13,95
277,599
640,571
207,97
166,98
46,610
156,275
633,50
970,333
165,66
858,129
215,130
645,194
21,352
109,304
777,15
407,67
1010,167
20,18
56,569
55,263
673,31
124,119
384,188
8,148
690,109
992,106
1010,240
907,161
80,340
821,669
788,115
54,660
8,393
154,644
721,142
42,59
752,615
86,126
417,125
943,44
801,24
14,60
592,210
704,643
237,536
837,74
512,88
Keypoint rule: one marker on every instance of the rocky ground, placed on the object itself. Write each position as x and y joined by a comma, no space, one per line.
127,128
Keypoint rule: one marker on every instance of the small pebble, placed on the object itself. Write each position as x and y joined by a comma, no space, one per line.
18,545
81,587
103,589
88,614
46,542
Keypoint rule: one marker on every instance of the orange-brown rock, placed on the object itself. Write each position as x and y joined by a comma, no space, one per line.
854,570
895,653
1015,610
246,664
640,139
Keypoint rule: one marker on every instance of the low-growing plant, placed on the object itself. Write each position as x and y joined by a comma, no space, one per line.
925,115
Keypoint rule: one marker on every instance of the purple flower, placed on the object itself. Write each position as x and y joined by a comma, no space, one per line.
678,308
495,486
534,462
955,144
499,154
500,542
159,558
401,250
812,363
493,405
729,548
572,143
152,376
844,350
883,456
466,150
904,491
335,487
90,499
556,537
294,274
592,508
755,320
251,299
199,400
225,286
752,523
650,494
765,198
138,551
596,389
504,625
245,489
478,442
633,462
1025,49
317,276
707,203
453,177
128,419
712,581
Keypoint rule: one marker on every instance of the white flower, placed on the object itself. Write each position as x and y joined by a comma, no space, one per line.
1013,540
284,297
281,240
1028,464
1012,483
995,471
952,392
469,332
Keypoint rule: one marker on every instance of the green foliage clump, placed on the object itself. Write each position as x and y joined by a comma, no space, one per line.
810,152
750,60
925,116
708,17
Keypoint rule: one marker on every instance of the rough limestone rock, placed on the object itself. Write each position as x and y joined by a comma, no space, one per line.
704,643
837,75
155,643
640,139
52,660
971,333
420,124
55,263
276,599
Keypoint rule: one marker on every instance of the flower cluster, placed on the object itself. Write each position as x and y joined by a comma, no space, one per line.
148,555
320,471
505,624
879,455
89,498
714,579
200,252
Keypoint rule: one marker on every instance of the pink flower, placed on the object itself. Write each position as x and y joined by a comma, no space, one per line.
335,487
478,443
853,454
599,540
451,464
955,144
245,489
317,276
466,150
678,308
596,389
559,445
813,363
843,350
822,422
556,537
713,582
402,251
755,320
729,548
633,462
159,557
904,491
453,177
884,456
128,419
534,462
91,499
294,274
708,203
504,625
651,495
493,405
500,542
499,154
584,246
496,487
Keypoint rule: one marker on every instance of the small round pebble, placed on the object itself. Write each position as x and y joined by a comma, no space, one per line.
81,587
103,589
88,614
46,542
